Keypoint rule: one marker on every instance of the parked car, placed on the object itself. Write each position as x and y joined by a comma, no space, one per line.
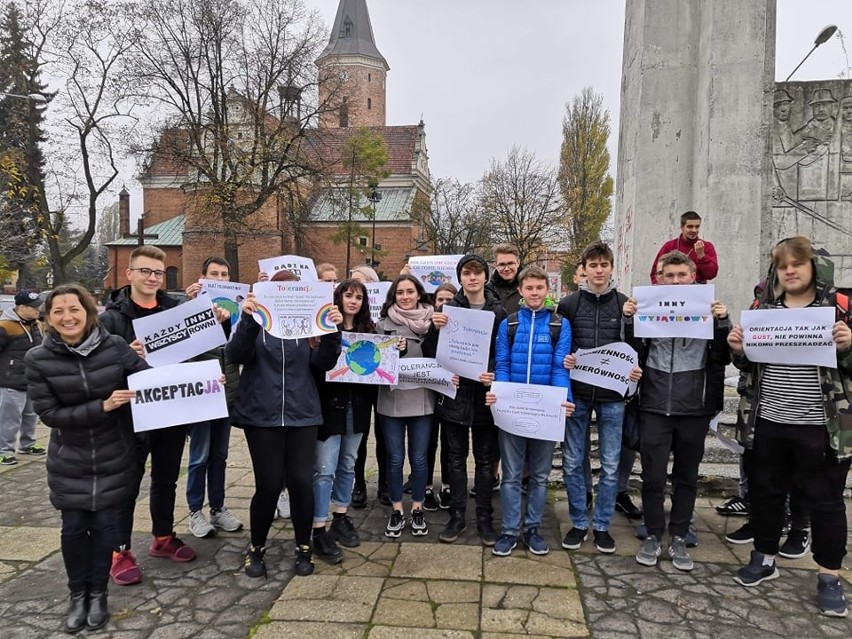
6,301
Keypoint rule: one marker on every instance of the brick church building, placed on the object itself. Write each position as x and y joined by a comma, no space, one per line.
170,220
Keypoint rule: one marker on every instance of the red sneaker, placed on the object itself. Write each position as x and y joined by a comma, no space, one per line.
172,548
124,570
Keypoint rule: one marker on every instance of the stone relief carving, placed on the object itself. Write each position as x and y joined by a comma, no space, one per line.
812,163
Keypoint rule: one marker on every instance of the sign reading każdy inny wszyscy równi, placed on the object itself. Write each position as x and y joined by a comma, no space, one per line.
366,358
425,372
291,310
607,366
681,310
464,343
177,394
227,295
303,267
434,270
790,336
178,333
530,410
377,293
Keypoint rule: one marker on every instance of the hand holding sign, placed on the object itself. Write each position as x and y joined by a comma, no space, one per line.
118,399
842,335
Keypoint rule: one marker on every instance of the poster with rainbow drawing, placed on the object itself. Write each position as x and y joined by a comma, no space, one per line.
291,310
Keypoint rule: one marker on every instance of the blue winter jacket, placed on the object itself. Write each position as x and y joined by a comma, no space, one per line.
531,359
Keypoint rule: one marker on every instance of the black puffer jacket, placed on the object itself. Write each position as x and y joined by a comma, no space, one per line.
468,407
16,338
596,322
90,457
506,291
120,312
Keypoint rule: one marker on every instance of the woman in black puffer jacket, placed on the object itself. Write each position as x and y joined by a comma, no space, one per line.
77,381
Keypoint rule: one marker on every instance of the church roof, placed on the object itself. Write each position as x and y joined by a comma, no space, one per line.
352,33
169,233
401,143
395,205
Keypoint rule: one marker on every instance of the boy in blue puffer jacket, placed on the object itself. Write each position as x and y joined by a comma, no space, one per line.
531,345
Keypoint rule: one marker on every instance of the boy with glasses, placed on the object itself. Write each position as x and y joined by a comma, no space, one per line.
504,280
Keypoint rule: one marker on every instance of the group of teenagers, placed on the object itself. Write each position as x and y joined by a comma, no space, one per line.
307,434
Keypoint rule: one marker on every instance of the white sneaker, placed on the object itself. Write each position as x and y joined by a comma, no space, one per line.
225,520
283,509
199,526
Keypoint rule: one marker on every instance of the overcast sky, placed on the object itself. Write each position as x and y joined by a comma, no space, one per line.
488,74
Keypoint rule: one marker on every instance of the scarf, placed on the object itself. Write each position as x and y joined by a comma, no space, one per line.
418,320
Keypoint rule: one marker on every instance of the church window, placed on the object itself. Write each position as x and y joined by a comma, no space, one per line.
346,30
344,114
369,104
369,77
171,278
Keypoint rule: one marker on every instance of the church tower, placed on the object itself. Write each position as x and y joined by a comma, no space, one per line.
352,71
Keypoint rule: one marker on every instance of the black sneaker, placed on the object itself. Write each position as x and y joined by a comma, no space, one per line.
255,566
430,503
344,531
797,544
418,523
626,507
830,598
733,507
756,573
8,460
444,498
574,538
454,528
487,535
604,542
35,449
396,524
359,496
325,547
742,535
304,565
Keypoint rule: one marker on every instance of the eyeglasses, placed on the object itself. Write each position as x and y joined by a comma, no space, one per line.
148,272
504,266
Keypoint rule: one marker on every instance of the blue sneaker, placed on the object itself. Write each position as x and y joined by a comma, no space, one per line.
830,597
535,543
505,545
756,573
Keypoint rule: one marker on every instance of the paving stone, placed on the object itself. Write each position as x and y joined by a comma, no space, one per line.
320,610
457,562
539,623
512,621
401,612
519,597
492,594
523,570
405,589
503,635
392,632
559,603
453,591
26,543
309,630
460,616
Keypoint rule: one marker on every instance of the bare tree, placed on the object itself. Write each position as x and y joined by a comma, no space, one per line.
454,222
237,91
520,198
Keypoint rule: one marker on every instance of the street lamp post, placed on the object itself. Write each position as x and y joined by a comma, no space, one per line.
375,198
821,39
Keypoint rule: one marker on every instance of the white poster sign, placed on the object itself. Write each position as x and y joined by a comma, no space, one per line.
790,336
178,333
303,267
530,410
425,372
366,358
227,295
291,310
607,366
465,342
674,311
434,270
377,293
177,394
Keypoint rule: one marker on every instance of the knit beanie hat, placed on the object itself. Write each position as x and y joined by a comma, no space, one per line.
471,257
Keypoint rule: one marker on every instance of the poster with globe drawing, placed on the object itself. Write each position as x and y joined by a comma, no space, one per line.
434,270
228,295
366,359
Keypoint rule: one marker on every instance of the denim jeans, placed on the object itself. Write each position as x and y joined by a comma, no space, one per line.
16,415
515,451
87,540
334,470
208,457
574,453
419,430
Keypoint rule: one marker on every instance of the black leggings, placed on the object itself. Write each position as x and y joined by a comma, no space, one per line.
88,538
277,455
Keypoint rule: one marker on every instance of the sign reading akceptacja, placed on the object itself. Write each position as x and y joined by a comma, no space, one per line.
790,336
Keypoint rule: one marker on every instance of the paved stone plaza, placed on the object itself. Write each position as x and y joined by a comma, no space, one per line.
417,588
